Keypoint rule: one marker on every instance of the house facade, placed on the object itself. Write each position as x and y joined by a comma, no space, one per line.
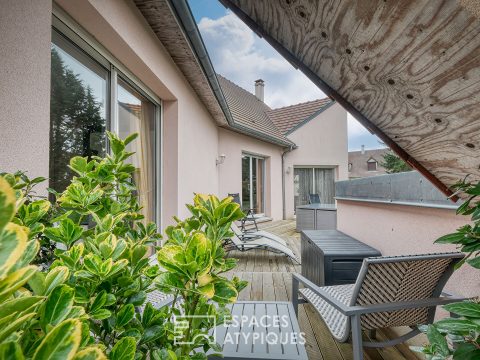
70,71
366,163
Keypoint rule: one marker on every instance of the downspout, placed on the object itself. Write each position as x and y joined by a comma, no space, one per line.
284,206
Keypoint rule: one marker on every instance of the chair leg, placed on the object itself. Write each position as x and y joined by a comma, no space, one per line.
357,338
295,295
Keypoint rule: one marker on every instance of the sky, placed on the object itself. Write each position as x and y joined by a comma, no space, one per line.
241,56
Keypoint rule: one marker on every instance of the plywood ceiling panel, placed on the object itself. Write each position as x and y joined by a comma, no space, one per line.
408,69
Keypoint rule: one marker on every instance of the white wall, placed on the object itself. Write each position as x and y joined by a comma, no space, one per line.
232,145
25,86
323,141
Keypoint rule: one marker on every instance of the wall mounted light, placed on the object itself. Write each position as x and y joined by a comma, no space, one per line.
221,159
289,170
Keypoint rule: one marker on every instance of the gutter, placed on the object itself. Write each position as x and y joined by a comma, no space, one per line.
284,206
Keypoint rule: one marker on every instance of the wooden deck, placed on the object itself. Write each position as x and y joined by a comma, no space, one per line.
269,278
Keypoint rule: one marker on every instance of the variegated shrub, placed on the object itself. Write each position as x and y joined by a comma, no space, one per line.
193,260
41,321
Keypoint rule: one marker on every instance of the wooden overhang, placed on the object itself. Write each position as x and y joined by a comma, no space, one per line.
408,70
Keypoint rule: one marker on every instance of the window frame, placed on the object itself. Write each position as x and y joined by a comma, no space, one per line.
65,26
374,162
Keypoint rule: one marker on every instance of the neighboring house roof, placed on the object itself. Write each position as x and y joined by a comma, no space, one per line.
359,160
289,118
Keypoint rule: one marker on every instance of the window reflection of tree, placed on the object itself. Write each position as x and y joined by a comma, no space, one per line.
77,124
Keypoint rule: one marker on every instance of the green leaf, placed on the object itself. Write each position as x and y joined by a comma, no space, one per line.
15,280
58,305
7,203
454,238
11,351
475,262
137,299
124,316
466,352
14,326
79,165
468,309
101,314
152,333
90,353
457,325
37,283
55,277
124,349
169,282
61,343
208,290
66,233
19,305
225,292
13,243
438,341
99,301
130,138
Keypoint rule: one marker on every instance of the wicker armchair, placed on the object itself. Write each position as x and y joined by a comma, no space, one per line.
390,291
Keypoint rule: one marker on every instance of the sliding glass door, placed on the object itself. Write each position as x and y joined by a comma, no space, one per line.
253,183
312,180
90,95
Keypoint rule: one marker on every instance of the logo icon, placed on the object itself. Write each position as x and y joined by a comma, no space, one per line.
181,324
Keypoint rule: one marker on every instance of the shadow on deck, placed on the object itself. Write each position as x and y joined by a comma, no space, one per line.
269,278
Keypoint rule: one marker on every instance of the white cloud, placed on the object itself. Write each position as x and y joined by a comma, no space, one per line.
242,57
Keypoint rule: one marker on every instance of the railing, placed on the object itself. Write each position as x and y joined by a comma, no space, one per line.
408,188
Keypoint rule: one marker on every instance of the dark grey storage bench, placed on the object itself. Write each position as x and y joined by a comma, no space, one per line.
330,257
316,217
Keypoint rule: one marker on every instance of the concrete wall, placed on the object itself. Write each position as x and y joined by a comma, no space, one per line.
190,135
322,142
25,86
402,230
232,145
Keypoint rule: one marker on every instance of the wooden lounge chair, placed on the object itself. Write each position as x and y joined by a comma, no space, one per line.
262,243
390,291
256,234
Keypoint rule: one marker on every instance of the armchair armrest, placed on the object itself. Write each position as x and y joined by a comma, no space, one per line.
367,309
401,305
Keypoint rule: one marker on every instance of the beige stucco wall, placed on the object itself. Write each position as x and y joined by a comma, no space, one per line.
232,145
190,135
401,230
322,142
25,86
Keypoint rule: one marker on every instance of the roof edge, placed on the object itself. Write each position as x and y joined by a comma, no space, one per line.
311,117
185,18
261,136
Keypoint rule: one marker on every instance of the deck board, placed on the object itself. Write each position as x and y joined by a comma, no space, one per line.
269,278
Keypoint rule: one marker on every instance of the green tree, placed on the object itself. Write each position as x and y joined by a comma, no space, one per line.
393,164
